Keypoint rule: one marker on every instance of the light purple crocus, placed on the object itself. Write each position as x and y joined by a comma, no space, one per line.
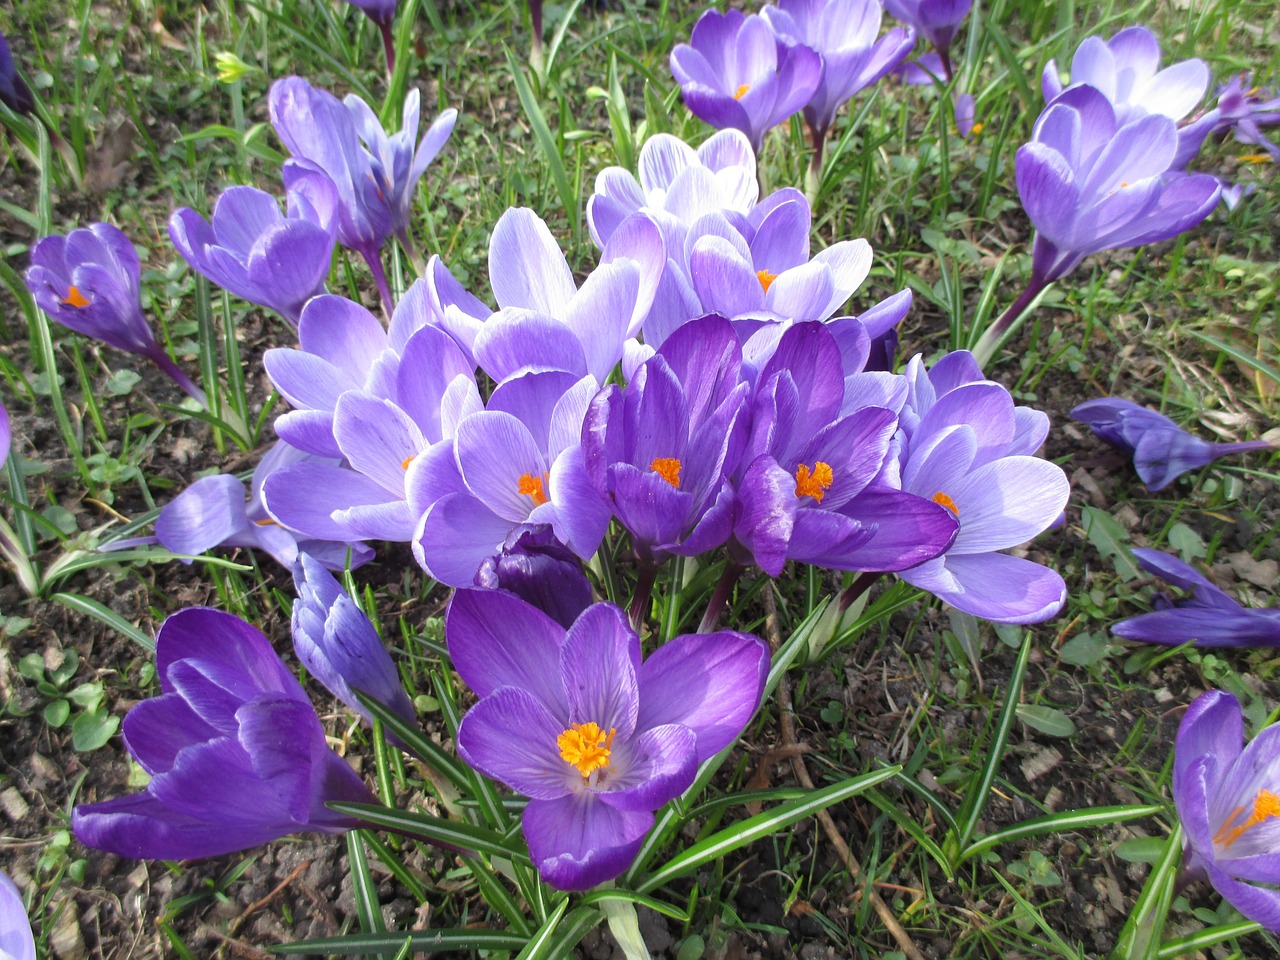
319,132
16,939
594,737
214,512
966,446
661,450
736,73
936,21
90,281
854,55
806,488
1227,795
1091,183
1244,110
397,163
250,249
339,645
1207,616
234,750
1162,450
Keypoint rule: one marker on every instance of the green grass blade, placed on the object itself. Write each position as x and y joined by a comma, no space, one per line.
543,944
364,887
762,825
467,940
547,144
1248,359
452,833
1059,822
1140,938
417,742
1204,939
653,903
92,608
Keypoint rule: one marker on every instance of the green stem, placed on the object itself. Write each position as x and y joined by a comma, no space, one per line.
1140,938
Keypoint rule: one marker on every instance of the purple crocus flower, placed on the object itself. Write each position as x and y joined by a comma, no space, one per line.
966,446
235,752
14,92
1209,617
594,737
16,940
854,55
90,281
1243,111
319,132
540,570
1126,70
1227,797
936,21
806,491
1162,450
397,163
735,73
213,512
661,450
279,262
381,12
341,648
6,436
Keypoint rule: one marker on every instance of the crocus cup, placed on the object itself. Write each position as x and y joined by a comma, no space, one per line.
596,738
16,940
1227,795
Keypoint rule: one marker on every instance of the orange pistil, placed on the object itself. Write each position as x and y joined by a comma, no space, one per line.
977,129
531,486
404,464
586,746
668,468
942,499
1266,805
766,278
266,523
75,298
741,91
814,483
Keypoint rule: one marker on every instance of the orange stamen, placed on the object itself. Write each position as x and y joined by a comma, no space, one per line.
531,486
668,468
1266,805
741,91
816,483
75,298
404,464
943,500
1255,158
766,278
266,523
586,746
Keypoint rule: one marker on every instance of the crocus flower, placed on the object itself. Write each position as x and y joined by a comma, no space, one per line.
1162,450
661,450
1126,70
235,752
16,940
214,512
251,250
318,130
806,491
936,21
1243,111
854,55
6,437
595,738
540,570
1227,796
735,73
14,92
338,644
967,447
1208,616
381,12
90,281
397,163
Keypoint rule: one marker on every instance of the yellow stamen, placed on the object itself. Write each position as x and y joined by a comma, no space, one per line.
977,129
266,523
943,500
531,486
404,464
1246,158
766,278
586,746
668,468
741,91
75,298
814,484
1266,805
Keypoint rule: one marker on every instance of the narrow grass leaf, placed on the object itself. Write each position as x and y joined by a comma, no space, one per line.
543,943
1240,356
653,903
452,833
419,743
1028,910
364,887
762,825
496,895
92,608
467,940
547,144
1140,938
1204,939
1061,823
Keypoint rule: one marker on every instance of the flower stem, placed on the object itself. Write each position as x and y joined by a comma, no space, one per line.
374,260
389,46
1140,938
720,597
995,334
161,360
813,178
861,584
639,607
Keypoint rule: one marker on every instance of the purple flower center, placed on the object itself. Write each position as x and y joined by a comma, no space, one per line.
1266,805
586,746
814,483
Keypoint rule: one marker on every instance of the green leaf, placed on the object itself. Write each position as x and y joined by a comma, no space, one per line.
1086,819
1187,542
1140,849
1085,649
762,825
1047,720
543,942
1110,539
56,713
547,144
92,729
108,616
1204,939
453,833
653,903
466,940
87,695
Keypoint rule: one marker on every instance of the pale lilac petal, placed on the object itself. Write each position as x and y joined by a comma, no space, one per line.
994,586
498,640
598,661
526,267
511,736
577,842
